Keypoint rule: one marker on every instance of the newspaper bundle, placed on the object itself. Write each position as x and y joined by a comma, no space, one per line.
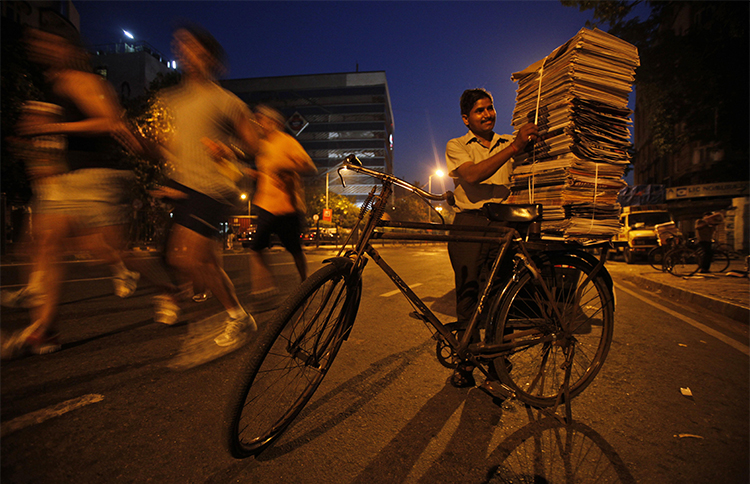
578,96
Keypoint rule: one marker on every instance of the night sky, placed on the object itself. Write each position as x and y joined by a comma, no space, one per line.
430,51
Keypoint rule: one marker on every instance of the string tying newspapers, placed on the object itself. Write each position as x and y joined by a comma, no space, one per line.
578,97
536,121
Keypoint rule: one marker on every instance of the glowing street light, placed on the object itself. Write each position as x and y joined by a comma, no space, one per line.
245,196
439,174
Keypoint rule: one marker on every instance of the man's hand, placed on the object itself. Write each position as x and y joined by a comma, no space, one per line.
527,133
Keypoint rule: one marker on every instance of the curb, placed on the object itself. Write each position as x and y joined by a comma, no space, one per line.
725,308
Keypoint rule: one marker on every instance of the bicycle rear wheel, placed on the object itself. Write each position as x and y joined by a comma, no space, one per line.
719,261
683,261
576,336
292,357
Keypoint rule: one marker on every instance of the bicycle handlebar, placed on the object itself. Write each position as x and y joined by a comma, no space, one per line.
352,163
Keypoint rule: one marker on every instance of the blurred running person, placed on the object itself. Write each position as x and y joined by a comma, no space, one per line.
85,194
279,198
205,115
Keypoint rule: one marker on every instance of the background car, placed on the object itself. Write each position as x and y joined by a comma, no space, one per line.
246,238
327,236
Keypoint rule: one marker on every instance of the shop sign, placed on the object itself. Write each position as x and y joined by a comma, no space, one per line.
733,189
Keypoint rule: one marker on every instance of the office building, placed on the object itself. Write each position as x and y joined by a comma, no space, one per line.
332,116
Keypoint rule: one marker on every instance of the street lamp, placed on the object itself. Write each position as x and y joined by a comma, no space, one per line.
439,174
245,196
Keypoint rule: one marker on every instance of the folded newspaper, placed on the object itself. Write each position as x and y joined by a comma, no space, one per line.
578,96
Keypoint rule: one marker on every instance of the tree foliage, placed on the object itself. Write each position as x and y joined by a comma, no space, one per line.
693,81
344,212
21,82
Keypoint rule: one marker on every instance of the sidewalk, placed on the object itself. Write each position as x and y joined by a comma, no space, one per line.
725,293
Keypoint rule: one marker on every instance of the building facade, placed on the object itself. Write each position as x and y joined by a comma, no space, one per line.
129,67
332,116
37,13
699,176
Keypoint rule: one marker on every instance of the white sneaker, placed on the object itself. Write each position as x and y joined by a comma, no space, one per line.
166,310
22,298
201,297
233,331
126,283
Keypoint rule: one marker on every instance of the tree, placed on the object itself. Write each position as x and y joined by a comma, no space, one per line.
693,82
21,82
344,212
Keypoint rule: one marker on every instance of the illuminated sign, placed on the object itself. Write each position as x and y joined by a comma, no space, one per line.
735,189
296,123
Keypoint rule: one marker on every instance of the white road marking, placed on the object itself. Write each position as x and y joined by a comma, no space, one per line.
398,291
44,414
692,322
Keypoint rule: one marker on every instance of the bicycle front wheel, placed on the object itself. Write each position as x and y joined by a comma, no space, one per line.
292,357
683,261
548,341
656,257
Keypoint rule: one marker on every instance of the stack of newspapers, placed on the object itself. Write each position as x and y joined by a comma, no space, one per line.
578,96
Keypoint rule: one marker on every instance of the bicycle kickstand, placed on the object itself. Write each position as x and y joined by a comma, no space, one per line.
568,365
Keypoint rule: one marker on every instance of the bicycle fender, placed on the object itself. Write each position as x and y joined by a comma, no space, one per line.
339,261
592,261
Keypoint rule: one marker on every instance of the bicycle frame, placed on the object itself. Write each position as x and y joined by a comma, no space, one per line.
511,242
556,303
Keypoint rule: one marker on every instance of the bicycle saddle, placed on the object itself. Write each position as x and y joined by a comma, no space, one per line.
506,212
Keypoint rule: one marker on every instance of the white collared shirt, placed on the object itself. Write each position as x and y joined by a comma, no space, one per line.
467,148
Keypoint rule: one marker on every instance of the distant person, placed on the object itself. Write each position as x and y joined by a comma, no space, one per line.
706,227
205,116
279,198
478,164
82,194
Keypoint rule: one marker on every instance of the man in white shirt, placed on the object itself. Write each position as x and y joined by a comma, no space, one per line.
478,164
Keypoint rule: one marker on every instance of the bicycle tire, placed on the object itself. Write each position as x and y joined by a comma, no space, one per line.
656,258
535,368
292,357
682,262
720,261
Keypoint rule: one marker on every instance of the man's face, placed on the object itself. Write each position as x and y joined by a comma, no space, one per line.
481,118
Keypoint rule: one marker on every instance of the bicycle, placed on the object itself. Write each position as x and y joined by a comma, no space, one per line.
547,331
683,259
657,254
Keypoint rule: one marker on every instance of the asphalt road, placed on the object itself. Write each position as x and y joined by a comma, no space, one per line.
128,400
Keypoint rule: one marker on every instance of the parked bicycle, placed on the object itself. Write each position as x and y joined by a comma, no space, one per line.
546,327
683,258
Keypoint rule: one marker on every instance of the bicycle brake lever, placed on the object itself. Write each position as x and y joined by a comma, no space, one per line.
349,160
